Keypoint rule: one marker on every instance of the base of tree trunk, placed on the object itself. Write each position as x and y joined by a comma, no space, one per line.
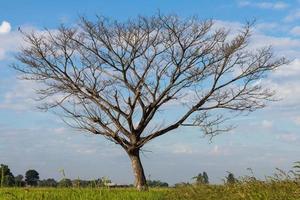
140,179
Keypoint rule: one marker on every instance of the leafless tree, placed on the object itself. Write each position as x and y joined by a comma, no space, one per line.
115,78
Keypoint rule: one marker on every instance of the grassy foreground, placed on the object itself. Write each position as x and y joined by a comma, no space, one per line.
252,191
79,194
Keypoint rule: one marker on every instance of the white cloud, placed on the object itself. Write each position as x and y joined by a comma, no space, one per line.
288,93
297,120
295,31
269,5
9,43
268,25
295,15
267,124
244,3
20,96
60,130
12,41
5,27
290,70
182,149
285,81
279,5
283,46
86,151
217,151
2,54
288,137
234,27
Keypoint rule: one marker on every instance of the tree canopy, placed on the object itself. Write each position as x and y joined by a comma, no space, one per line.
32,177
6,177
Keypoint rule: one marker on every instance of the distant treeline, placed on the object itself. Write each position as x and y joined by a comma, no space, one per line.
32,179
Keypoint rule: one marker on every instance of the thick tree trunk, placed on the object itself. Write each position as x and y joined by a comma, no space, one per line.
138,171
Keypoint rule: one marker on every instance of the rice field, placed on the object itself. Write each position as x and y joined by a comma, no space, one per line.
256,190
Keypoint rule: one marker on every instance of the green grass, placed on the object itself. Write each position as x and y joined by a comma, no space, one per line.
79,194
284,190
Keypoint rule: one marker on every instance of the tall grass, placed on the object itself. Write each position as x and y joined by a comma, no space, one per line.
256,190
79,194
250,190
281,186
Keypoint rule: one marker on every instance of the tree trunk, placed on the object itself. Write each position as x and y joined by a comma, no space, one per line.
138,171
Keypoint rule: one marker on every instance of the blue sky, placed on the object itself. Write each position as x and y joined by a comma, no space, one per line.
263,140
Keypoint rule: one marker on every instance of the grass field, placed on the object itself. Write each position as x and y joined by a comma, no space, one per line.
284,190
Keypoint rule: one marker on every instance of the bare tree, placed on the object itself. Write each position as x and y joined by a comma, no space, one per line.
115,78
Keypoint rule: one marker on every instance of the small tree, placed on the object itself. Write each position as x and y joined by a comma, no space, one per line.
157,183
6,177
19,182
114,78
50,182
230,179
205,178
65,182
32,177
201,178
106,181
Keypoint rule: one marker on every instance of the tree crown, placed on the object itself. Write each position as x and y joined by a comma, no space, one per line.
112,78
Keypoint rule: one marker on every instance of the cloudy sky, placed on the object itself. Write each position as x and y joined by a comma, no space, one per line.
263,140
